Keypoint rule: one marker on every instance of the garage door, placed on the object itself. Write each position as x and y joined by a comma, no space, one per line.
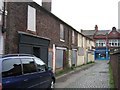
59,58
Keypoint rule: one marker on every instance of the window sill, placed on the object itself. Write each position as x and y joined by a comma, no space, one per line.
62,40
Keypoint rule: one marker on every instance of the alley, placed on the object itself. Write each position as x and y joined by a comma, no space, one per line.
96,76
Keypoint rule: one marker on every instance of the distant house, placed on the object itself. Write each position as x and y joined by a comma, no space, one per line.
105,40
88,33
85,49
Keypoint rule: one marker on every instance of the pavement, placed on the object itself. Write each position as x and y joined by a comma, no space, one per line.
95,75
77,69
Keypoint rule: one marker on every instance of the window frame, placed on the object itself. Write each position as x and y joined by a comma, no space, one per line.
101,43
73,36
62,33
31,27
114,42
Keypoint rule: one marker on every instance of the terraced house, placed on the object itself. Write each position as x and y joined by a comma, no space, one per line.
86,48
33,29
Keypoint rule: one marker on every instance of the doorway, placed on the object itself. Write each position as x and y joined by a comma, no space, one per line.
36,51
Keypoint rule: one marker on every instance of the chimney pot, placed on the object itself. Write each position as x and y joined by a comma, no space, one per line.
96,27
114,29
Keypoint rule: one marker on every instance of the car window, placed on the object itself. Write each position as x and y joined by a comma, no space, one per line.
40,64
28,65
11,67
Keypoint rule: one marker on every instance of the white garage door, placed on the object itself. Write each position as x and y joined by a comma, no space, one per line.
59,58
1,44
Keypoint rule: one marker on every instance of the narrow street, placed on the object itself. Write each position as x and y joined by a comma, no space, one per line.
96,76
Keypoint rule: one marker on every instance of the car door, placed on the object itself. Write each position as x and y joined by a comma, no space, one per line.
30,74
45,75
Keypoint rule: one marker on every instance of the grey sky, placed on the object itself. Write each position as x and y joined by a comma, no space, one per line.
85,14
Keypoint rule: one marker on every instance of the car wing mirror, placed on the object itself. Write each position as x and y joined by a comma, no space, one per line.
50,68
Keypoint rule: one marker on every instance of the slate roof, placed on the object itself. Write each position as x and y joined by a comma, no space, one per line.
88,32
102,32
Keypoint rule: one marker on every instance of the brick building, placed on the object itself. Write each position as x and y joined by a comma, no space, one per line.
33,29
105,41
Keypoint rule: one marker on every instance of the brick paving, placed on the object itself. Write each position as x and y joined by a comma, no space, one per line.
96,76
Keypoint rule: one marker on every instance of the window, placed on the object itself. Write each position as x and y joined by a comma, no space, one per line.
40,65
61,33
73,37
97,44
11,67
31,19
114,42
28,65
101,43
118,42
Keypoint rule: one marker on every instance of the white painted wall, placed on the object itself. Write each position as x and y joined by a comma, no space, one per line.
1,36
81,42
1,43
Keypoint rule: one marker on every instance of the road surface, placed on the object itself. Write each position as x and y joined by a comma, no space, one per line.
96,76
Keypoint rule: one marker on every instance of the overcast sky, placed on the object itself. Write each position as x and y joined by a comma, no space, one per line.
85,14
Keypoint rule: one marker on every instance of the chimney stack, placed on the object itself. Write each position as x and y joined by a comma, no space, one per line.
96,27
47,4
114,29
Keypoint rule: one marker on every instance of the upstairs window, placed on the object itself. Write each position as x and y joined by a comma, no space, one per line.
101,43
73,37
62,33
114,42
31,19
118,42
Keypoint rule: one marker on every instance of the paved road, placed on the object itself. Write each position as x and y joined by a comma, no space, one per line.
94,77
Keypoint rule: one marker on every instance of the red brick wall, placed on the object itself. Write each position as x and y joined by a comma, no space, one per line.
16,21
48,26
113,35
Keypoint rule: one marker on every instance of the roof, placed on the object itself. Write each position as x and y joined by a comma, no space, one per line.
58,19
119,30
53,15
17,55
88,32
102,32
